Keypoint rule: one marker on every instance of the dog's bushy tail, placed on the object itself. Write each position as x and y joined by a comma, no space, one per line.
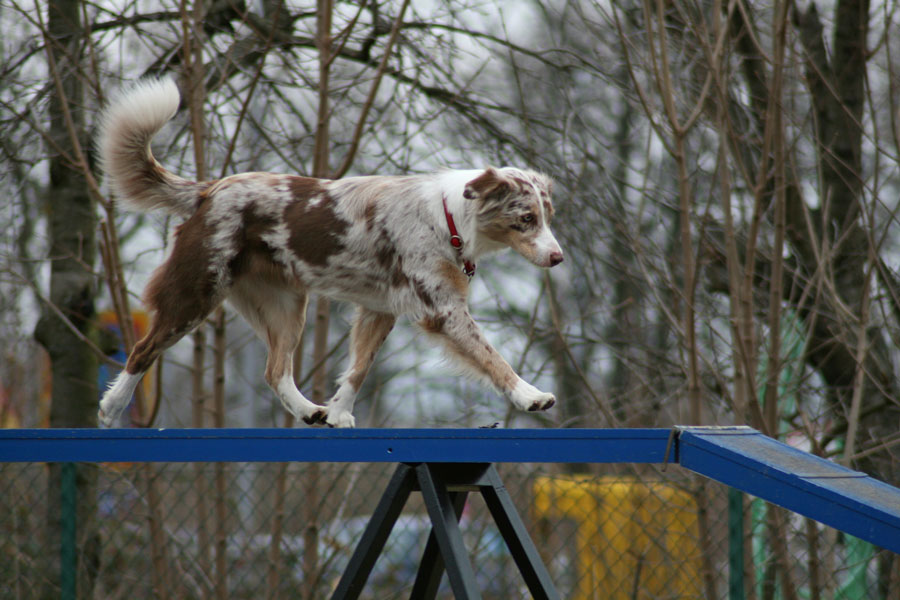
126,128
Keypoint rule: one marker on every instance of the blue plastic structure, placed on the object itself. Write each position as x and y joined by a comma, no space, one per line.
811,486
736,456
335,445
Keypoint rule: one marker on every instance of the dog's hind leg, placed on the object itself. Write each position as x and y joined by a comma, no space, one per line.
369,331
169,325
278,315
180,294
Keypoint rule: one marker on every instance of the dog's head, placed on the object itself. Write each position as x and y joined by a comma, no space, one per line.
514,210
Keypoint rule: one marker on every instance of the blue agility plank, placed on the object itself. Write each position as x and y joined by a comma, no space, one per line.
736,456
806,484
335,445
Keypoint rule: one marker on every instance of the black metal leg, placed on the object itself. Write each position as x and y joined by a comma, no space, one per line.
522,548
446,531
376,534
431,567
444,488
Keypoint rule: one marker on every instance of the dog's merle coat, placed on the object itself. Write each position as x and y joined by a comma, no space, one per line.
265,241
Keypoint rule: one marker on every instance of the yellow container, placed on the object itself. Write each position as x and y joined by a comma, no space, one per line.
633,539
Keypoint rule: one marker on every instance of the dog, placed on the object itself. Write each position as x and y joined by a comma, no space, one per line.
392,245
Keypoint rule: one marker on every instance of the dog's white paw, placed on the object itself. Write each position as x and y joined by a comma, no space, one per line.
106,420
110,411
340,418
116,399
527,397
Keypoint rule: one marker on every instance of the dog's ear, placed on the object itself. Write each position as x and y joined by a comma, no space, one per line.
487,185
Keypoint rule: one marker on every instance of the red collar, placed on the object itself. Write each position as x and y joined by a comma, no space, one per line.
456,241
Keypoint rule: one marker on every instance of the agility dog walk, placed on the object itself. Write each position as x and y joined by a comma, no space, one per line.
392,245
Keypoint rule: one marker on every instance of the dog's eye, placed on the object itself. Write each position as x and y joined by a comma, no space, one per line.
528,218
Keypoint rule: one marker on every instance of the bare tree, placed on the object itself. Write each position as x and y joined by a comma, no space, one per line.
725,180
777,203
751,205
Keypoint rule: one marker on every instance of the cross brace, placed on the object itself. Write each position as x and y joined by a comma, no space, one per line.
444,487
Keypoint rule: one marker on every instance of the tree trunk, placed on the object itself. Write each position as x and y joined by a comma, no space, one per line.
837,82
71,219
838,233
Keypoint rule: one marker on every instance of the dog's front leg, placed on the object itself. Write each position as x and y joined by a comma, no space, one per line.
466,343
369,331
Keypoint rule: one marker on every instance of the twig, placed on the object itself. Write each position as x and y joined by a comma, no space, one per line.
370,99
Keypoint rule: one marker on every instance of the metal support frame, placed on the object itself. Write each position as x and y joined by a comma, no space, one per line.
445,487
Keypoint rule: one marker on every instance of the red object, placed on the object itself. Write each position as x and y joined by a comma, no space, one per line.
456,241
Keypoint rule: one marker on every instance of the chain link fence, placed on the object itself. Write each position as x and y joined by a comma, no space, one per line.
287,530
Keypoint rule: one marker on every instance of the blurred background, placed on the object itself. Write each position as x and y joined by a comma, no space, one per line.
726,195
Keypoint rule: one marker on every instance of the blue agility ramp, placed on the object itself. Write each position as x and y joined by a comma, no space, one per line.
736,456
845,499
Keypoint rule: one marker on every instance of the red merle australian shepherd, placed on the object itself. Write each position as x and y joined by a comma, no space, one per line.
391,245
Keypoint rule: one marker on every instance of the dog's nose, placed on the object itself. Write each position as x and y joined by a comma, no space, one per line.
556,258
